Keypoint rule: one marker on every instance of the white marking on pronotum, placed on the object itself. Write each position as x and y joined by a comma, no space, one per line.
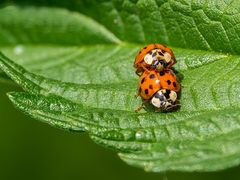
167,57
148,59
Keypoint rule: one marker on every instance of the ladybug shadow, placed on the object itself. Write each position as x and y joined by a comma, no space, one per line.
179,75
180,78
149,108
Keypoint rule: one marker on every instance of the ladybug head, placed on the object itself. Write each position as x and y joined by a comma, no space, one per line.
159,64
164,99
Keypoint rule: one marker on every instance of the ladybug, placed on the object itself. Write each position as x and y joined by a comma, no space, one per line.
159,88
152,81
154,56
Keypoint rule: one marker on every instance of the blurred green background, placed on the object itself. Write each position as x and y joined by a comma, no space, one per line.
32,150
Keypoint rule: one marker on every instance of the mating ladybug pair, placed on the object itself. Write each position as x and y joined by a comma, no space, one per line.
157,84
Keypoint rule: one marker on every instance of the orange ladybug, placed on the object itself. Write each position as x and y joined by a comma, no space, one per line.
152,81
154,56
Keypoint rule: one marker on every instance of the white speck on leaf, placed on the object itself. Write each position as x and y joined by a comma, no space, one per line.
138,135
19,49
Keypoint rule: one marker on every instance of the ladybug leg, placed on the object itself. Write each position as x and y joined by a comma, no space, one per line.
158,109
177,103
137,73
173,69
145,69
173,106
141,106
137,94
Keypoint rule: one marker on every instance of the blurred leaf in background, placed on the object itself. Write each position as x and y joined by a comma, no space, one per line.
77,58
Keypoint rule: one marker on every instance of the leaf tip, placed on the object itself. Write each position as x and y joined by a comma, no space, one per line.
13,97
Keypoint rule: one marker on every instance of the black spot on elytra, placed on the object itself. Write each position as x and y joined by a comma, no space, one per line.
140,89
146,91
139,52
142,81
174,84
145,47
169,82
162,73
150,86
152,76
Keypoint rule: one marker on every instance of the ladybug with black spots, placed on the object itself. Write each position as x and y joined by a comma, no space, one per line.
154,56
159,88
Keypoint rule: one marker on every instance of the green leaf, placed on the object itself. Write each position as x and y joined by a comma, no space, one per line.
65,26
76,71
